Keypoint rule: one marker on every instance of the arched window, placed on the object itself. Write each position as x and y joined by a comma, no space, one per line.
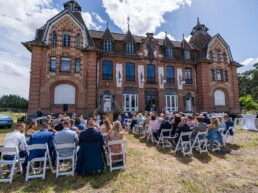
78,41
64,94
219,97
54,39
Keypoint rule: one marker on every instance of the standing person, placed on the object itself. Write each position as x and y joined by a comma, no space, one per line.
39,113
16,139
66,136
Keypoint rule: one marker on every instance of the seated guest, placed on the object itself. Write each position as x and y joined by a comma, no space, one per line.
182,127
51,126
140,119
206,119
213,133
59,127
42,137
176,122
228,124
73,128
32,128
115,134
164,125
147,120
73,116
153,124
106,126
58,120
190,121
201,126
160,118
16,139
66,136
91,155
221,124
78,124
83,122
133,121
97,126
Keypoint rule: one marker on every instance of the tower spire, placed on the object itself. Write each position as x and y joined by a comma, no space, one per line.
128,23
198,22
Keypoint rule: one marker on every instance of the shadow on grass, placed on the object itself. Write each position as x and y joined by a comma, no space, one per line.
61,184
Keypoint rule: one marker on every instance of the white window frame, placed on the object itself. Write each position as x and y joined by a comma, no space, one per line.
187,55
64,94
108,45
129,48
78,41
219,98
170,100
128,107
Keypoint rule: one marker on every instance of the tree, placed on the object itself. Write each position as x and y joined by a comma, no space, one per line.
13,101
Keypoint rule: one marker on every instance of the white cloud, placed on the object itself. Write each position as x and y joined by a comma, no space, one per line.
98,18
249,61
145,15
87,17
162,35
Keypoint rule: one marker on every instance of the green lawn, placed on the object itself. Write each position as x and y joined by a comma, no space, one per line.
153,169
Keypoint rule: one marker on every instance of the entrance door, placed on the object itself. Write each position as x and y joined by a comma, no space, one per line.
107,103
151,100
188,102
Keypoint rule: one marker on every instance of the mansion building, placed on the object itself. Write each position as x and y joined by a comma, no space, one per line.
100,71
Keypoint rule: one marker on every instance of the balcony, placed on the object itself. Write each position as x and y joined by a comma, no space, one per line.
170,80
107,76
188,81
151,79
130,78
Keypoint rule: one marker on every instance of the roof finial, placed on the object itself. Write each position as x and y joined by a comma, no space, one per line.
128,23
107,24
198,22
183,36
166,34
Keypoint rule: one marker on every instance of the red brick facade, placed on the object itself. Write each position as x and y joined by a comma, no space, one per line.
89,84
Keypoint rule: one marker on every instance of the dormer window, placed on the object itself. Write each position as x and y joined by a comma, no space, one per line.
78,41
107,46
54,39
129,48
187,55
66,39
169,53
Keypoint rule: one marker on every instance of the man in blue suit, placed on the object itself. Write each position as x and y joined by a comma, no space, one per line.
42,137
164,125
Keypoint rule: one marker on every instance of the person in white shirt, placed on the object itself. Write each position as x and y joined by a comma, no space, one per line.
16,139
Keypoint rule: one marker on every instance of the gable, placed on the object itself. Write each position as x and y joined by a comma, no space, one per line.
64,17
218,43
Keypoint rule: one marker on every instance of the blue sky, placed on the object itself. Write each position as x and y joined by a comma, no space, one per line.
235,20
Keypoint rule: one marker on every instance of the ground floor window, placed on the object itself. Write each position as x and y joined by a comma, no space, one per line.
130,102
171,103
64,94
151,100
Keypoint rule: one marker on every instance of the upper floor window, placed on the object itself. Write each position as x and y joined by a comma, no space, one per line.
188,76
211,55
52,64
107,46
218,56
129,48
77,65
212,75
107,70
225,60
130,72
78,41
219,74
170,74
226,75
151,78
187,55
65,65
169,53
66,39
54,39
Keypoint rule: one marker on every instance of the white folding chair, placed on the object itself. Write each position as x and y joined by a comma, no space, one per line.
184,145
43,159
126,124
227,135
14,151
221,130
201,141
122,153
71,147
164,139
